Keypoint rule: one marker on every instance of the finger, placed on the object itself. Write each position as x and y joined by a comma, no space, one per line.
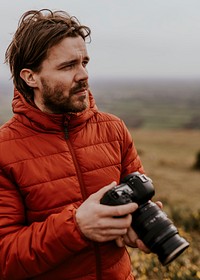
119,210
160,205
115,223
110,234
142,246
107,188
99,194
120,242
131,237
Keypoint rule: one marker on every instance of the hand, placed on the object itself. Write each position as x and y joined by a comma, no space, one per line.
131,239
97,221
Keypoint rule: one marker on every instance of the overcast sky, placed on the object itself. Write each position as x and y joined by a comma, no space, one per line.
130,38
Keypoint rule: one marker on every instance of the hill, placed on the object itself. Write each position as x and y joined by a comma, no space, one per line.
152,104
148,104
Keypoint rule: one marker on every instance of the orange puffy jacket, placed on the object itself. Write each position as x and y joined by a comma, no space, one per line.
49,164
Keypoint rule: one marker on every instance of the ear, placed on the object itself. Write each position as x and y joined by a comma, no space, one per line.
29,77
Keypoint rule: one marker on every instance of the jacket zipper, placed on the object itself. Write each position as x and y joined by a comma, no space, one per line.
80,179
98,261
79,175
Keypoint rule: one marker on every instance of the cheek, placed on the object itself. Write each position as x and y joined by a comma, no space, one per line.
62,85
61,82
66,82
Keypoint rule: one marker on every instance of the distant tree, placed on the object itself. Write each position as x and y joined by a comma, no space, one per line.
194,123
197,163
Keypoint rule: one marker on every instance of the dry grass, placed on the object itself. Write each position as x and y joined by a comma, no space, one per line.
168,157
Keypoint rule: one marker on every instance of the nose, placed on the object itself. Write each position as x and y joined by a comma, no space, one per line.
82,74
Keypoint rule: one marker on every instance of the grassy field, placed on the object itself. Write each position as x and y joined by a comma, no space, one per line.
168,157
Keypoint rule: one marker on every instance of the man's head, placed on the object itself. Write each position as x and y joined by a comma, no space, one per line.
45,44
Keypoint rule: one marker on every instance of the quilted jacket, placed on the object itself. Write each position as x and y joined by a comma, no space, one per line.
49,164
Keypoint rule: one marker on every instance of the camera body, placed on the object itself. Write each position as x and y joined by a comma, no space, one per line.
135,187
149,222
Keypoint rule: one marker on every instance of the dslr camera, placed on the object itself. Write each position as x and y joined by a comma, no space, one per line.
149,222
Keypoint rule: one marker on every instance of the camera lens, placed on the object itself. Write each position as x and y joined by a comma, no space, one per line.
157,232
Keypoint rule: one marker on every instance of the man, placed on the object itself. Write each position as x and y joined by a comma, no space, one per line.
58,156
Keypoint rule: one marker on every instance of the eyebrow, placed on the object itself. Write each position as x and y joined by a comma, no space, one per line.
73,61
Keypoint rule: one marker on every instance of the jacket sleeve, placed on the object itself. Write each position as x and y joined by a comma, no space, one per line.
131,161
26,251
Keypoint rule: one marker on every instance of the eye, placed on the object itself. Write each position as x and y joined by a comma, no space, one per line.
67,67
84,63
70,66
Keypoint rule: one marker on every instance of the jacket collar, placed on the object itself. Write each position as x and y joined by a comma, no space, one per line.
31,116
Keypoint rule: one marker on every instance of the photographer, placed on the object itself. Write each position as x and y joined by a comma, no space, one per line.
58,156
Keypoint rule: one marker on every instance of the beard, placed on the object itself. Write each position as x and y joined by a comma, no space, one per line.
56,102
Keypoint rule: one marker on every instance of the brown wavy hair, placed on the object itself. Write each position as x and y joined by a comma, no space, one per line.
37,32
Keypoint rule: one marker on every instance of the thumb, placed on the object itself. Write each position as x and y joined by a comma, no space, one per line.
99,194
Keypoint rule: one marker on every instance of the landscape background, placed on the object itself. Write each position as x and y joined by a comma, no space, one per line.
141,103
163,117
145,68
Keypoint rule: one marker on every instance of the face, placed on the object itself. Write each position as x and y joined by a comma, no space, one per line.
62,83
